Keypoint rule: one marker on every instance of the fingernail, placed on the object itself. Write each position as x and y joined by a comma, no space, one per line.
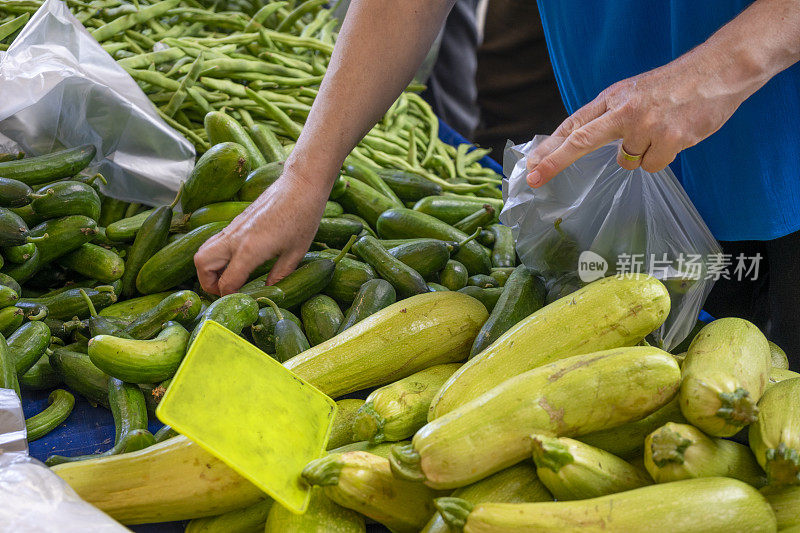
534,178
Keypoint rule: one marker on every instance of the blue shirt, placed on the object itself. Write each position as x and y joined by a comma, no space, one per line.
745,178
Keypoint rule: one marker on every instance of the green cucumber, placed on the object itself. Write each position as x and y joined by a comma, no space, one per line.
235,312
348,277
454,275
64,305
426,256
180,306
216,212
11,318
78,373
8,281
64,235
65,198
150,238
405,223
310,279
111,210
251,518
60,404
361,199
94,262
41,376
131,309
405,279
174,263
217,176
50,167
19,254
26,214
13,229
436,287
503,252
322,514
14,193
486,238
8,296
289,338
522,294
267,142
259,180
141,361
101,325
8,372
502,274
28,344
452,208
452,246
369,177
488,297
125,229
263,331
221,127
321,318
481,218
130,423
366,228
332,209
373,296
483,281
25,271
166,432
409,187
335,232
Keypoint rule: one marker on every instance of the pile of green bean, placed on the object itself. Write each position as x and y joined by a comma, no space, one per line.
262,65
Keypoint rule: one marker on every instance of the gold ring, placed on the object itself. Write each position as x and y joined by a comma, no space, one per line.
629,157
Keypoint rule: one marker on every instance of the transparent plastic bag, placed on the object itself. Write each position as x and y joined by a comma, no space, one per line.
597,219
33,498
61,89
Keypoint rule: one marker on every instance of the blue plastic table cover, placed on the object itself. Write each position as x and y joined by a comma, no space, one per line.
90,429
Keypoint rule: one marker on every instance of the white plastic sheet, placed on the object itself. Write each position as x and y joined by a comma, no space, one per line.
59,88
597,219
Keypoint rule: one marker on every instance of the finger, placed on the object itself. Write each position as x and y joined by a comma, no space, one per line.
631,152
580,118
243,262
284,266
659,155
580,142
210,260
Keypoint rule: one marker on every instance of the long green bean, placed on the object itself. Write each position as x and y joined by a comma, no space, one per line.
13,25
124,22
183,89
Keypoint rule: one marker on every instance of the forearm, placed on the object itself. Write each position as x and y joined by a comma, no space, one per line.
380,47
755,46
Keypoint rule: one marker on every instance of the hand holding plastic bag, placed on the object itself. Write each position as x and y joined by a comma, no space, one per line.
61,89
596,219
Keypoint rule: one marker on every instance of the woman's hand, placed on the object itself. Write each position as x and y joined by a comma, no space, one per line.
281,223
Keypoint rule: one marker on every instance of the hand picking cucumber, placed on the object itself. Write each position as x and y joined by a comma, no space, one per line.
50,167
364,482
235,312
321,318
94,262
425,256
406,337
64,235
141,361
680,451
725,372
516,484
775,436
404,223
60,406
571,397
174,263
582,323
217,176
708,505
523,294
65,198
373,296
310,279
403,278
151,237
396,411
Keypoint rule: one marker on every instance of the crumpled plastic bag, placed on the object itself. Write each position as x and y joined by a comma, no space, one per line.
61,89
597,219
33,499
